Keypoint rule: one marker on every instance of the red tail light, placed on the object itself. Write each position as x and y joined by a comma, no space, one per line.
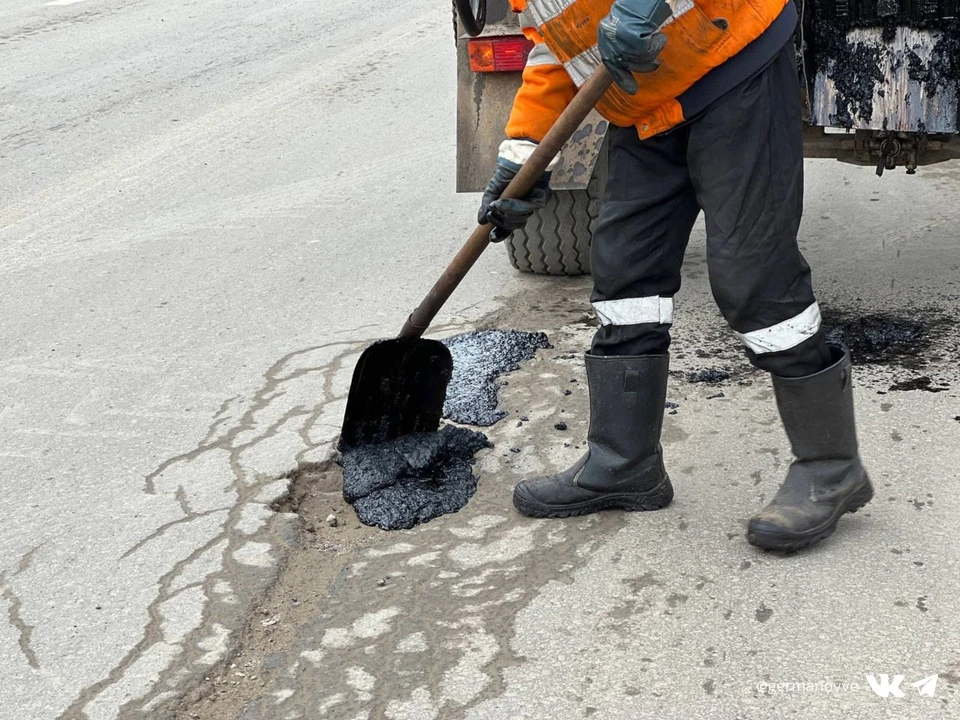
505,53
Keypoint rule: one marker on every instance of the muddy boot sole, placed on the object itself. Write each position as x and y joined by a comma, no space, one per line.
769,537
656,498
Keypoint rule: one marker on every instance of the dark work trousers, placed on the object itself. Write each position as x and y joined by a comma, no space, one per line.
741,162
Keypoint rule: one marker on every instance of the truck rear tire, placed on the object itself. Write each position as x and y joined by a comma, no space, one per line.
556,241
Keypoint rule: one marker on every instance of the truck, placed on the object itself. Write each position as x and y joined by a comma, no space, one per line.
878,78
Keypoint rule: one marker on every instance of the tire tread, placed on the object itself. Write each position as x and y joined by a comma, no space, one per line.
556,241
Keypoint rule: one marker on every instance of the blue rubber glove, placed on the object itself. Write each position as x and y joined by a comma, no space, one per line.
629,39
508,216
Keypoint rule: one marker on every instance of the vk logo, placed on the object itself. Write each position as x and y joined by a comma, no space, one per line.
885,687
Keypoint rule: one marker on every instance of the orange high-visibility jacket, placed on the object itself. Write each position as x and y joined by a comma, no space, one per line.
565,53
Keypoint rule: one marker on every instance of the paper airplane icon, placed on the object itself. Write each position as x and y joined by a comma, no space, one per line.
927,686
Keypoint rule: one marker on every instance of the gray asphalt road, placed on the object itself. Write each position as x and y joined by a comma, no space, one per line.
190,192
206,210
486,615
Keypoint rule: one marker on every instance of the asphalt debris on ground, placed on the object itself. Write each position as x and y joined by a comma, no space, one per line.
479,358
412,479
875,339
920,383
709,375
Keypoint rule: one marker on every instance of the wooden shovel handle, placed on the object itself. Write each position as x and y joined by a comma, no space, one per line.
567,124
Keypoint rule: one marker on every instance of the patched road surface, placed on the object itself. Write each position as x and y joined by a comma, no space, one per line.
207,210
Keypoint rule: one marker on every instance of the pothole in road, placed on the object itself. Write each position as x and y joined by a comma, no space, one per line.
331,559
415,478
315,494
412,479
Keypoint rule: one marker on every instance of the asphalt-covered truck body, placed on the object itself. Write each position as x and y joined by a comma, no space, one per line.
879,81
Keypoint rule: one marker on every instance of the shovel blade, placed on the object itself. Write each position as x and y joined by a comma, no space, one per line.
399,387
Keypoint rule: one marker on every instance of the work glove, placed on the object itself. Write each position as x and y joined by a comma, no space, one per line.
509,215
629,39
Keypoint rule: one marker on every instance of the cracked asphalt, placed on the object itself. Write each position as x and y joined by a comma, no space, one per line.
207,210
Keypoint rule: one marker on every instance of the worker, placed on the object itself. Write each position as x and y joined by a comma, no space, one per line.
705,115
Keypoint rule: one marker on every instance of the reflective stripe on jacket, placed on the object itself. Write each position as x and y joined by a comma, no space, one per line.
701,36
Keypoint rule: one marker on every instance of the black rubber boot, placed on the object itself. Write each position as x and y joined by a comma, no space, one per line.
623,467
827,479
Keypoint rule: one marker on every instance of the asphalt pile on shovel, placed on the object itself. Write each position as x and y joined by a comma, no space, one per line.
414,478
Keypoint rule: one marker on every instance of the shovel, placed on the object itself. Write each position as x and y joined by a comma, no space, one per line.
399,386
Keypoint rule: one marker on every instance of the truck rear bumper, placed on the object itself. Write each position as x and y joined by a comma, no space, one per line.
867,147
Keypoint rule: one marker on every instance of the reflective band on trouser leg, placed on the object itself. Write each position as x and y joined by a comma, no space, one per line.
785,335
635,311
